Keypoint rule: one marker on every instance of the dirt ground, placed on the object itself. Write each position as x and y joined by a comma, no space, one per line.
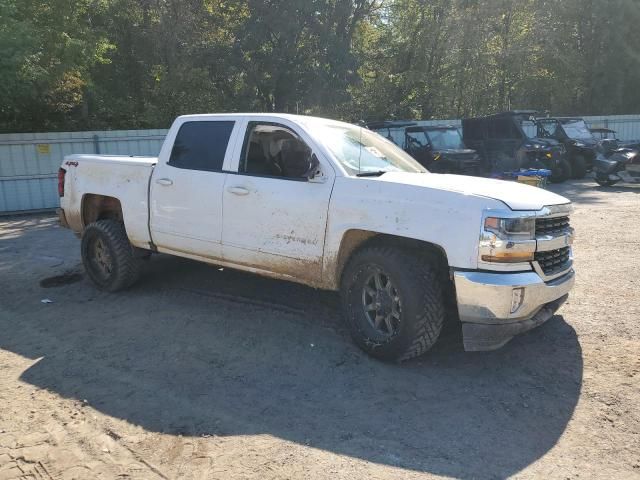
204,373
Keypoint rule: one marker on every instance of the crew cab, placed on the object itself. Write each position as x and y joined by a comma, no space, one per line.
334,206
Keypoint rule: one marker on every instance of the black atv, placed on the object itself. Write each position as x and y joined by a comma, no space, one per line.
507,142
617,161
573,133
608,141
623,165
439,149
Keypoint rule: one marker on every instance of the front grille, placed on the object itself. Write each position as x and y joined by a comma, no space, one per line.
551,226
465,163
460,156
553,261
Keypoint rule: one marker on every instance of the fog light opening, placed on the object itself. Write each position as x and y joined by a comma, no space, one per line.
517,298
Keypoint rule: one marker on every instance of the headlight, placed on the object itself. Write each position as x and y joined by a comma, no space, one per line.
508,240
511,228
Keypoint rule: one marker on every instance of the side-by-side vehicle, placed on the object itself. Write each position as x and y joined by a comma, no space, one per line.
507,142
617,161
579,142
439,148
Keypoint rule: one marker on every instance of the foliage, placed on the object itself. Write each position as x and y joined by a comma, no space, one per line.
90,64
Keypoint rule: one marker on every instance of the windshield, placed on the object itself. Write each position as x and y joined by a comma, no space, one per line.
446,139
577,130
418,139
362,151
529,127
548,128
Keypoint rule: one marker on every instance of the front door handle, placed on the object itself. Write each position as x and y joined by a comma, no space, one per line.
238,190
164,181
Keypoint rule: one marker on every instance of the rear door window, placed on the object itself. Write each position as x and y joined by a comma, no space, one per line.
201,145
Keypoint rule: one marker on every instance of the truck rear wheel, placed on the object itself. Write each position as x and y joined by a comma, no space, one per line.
393,302
108,257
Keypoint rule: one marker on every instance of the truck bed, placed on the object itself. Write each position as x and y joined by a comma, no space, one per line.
122,177
118,159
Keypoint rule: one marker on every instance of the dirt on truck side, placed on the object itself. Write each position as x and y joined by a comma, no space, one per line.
204,372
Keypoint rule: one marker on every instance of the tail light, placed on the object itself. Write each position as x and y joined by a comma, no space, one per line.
61,174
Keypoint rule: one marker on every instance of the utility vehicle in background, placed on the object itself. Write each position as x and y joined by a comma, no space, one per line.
439,148
609,142
616,161
573,133
507,141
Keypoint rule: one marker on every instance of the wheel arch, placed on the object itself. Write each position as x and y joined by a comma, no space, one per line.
96,207
354,240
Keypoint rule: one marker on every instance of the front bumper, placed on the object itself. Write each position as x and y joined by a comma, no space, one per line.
490,312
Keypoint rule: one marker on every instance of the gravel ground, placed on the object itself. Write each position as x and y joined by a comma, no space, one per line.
199,372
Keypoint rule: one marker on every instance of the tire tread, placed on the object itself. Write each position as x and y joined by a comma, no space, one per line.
128,266
425,281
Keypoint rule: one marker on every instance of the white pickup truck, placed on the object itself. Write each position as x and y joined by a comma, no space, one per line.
334,206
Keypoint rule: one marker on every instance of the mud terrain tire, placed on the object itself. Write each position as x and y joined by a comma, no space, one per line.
561,173
415,323
108,257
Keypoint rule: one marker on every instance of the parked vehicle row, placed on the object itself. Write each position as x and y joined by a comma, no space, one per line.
515,140
334,206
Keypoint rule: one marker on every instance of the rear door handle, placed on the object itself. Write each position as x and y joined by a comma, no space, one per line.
238,190
164,181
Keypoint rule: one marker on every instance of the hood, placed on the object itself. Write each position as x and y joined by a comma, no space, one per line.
632,144
456,151
590,143
516,196
541,143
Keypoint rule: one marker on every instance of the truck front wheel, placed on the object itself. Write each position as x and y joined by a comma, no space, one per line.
393,302
108,257
579,167
561,172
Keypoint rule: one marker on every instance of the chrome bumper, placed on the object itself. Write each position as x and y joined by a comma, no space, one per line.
492,314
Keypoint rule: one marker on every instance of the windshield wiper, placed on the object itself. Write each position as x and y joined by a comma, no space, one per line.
377,173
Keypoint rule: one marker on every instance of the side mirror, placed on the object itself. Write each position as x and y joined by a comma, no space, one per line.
314,167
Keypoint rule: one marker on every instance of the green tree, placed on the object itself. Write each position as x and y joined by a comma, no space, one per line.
47,51
89,64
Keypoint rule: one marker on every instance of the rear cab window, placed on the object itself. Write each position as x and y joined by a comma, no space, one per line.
201,145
